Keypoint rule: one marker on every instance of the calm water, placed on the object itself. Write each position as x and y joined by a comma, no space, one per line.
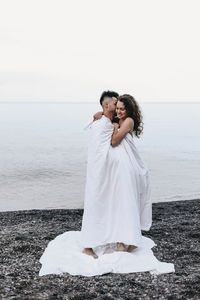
44,151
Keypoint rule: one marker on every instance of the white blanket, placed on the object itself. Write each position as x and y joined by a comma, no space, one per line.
117,206
117,196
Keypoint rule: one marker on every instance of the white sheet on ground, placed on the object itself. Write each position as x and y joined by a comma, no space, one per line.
64,254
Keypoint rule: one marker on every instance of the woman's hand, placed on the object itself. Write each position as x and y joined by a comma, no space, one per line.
98,115
116,125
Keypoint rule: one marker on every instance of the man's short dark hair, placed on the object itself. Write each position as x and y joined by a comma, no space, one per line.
109,94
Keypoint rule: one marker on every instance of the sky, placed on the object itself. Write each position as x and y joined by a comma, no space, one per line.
72,50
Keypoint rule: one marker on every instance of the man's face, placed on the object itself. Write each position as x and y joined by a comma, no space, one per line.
112,105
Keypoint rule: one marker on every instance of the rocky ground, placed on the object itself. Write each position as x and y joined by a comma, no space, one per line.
25,235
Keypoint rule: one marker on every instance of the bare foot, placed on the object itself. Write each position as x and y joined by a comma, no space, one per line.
131,248
121,247
89,251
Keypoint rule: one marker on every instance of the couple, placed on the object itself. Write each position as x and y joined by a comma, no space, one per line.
117,196
117,202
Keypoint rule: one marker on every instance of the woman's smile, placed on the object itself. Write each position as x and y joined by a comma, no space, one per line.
121,111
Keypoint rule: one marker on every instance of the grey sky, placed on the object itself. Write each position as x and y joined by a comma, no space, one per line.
72,50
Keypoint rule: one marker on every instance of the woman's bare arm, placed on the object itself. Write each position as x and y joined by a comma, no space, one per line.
118,135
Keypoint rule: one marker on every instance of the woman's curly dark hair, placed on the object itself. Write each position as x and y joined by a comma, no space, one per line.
134,112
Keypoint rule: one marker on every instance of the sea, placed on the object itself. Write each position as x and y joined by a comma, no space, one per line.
43,152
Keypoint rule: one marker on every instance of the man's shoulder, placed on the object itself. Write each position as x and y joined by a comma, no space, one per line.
103,121
102,124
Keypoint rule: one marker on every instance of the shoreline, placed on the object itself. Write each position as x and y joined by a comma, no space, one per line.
63,208
26,233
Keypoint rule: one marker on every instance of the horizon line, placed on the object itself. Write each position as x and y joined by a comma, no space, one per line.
93,102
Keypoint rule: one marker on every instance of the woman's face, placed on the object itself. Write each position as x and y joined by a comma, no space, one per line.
121,111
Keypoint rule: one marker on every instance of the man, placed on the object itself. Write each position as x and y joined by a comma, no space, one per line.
94,217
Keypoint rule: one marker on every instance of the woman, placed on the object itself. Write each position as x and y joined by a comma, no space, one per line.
130,122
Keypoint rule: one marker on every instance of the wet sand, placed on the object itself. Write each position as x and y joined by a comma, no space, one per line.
25,235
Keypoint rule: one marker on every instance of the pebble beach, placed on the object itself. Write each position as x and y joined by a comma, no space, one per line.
25,235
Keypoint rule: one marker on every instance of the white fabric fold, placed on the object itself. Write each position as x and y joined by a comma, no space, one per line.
64,254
